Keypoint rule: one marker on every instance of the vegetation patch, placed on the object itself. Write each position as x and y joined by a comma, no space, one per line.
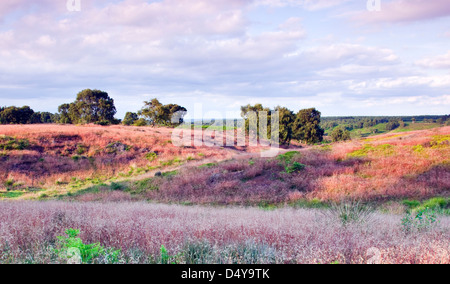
379,150
440,205
209,165
440,141
8,143
11,194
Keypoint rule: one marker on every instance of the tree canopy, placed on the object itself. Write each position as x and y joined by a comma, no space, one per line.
90,106
303,126
163,115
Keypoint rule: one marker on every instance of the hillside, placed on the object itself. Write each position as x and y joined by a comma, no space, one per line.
95,163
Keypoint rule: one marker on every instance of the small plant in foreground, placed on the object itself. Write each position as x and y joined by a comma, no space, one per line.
74,250
166,258
350,212
424,219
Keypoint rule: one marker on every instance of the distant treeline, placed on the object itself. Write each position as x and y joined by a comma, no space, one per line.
25,115
95,106
359,122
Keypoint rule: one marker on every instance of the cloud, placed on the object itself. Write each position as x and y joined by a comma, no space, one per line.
310,5
196,51
405,11
437,62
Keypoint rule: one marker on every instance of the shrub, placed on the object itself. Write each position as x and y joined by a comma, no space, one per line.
295,167
151,156
424,219
350,212
103,123
74,250
116,186
10,143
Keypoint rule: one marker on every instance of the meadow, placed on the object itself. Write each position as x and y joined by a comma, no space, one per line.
136,198
158,233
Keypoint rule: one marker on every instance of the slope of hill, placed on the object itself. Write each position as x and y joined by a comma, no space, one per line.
410,165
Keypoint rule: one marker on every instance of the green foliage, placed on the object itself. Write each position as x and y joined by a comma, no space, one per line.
295,167
306,126
287,157
91,106
287,118
130,118
166,258
440,205
411,203
151,156
163,115
116,186
103,123
423,219
340,134
349,212
289,165
15,115
71,247
440,141
209,165
141,122
10,143
314,203
11,194
379,150
392,125
81,149
418,149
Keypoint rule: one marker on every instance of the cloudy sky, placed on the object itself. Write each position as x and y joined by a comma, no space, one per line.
334,55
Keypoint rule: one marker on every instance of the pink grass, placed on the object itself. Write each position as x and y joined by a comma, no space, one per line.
303,236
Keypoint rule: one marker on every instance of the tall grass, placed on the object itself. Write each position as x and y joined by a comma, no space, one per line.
28,231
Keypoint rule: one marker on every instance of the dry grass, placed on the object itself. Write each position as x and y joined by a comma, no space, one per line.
411,166
28,231
57,153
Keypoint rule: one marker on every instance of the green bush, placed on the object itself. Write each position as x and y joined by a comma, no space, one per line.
9,143
295,167
423,219
73,249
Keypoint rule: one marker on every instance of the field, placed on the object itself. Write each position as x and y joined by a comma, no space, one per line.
383,198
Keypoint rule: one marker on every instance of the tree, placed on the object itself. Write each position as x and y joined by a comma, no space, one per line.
254,120
392,125
169,115
339,134
130,118
306,126
91,106
64,116
15,115
287,118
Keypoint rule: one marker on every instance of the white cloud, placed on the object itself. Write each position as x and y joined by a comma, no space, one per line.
405,11
311,5
437,62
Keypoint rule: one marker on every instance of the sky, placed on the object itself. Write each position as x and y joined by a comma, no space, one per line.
343,57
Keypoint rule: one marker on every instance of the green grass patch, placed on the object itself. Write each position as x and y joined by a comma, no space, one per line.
209,165
288,156
175,161
379,150
310,204
142,186
11,194
438,204
440,141
8,143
